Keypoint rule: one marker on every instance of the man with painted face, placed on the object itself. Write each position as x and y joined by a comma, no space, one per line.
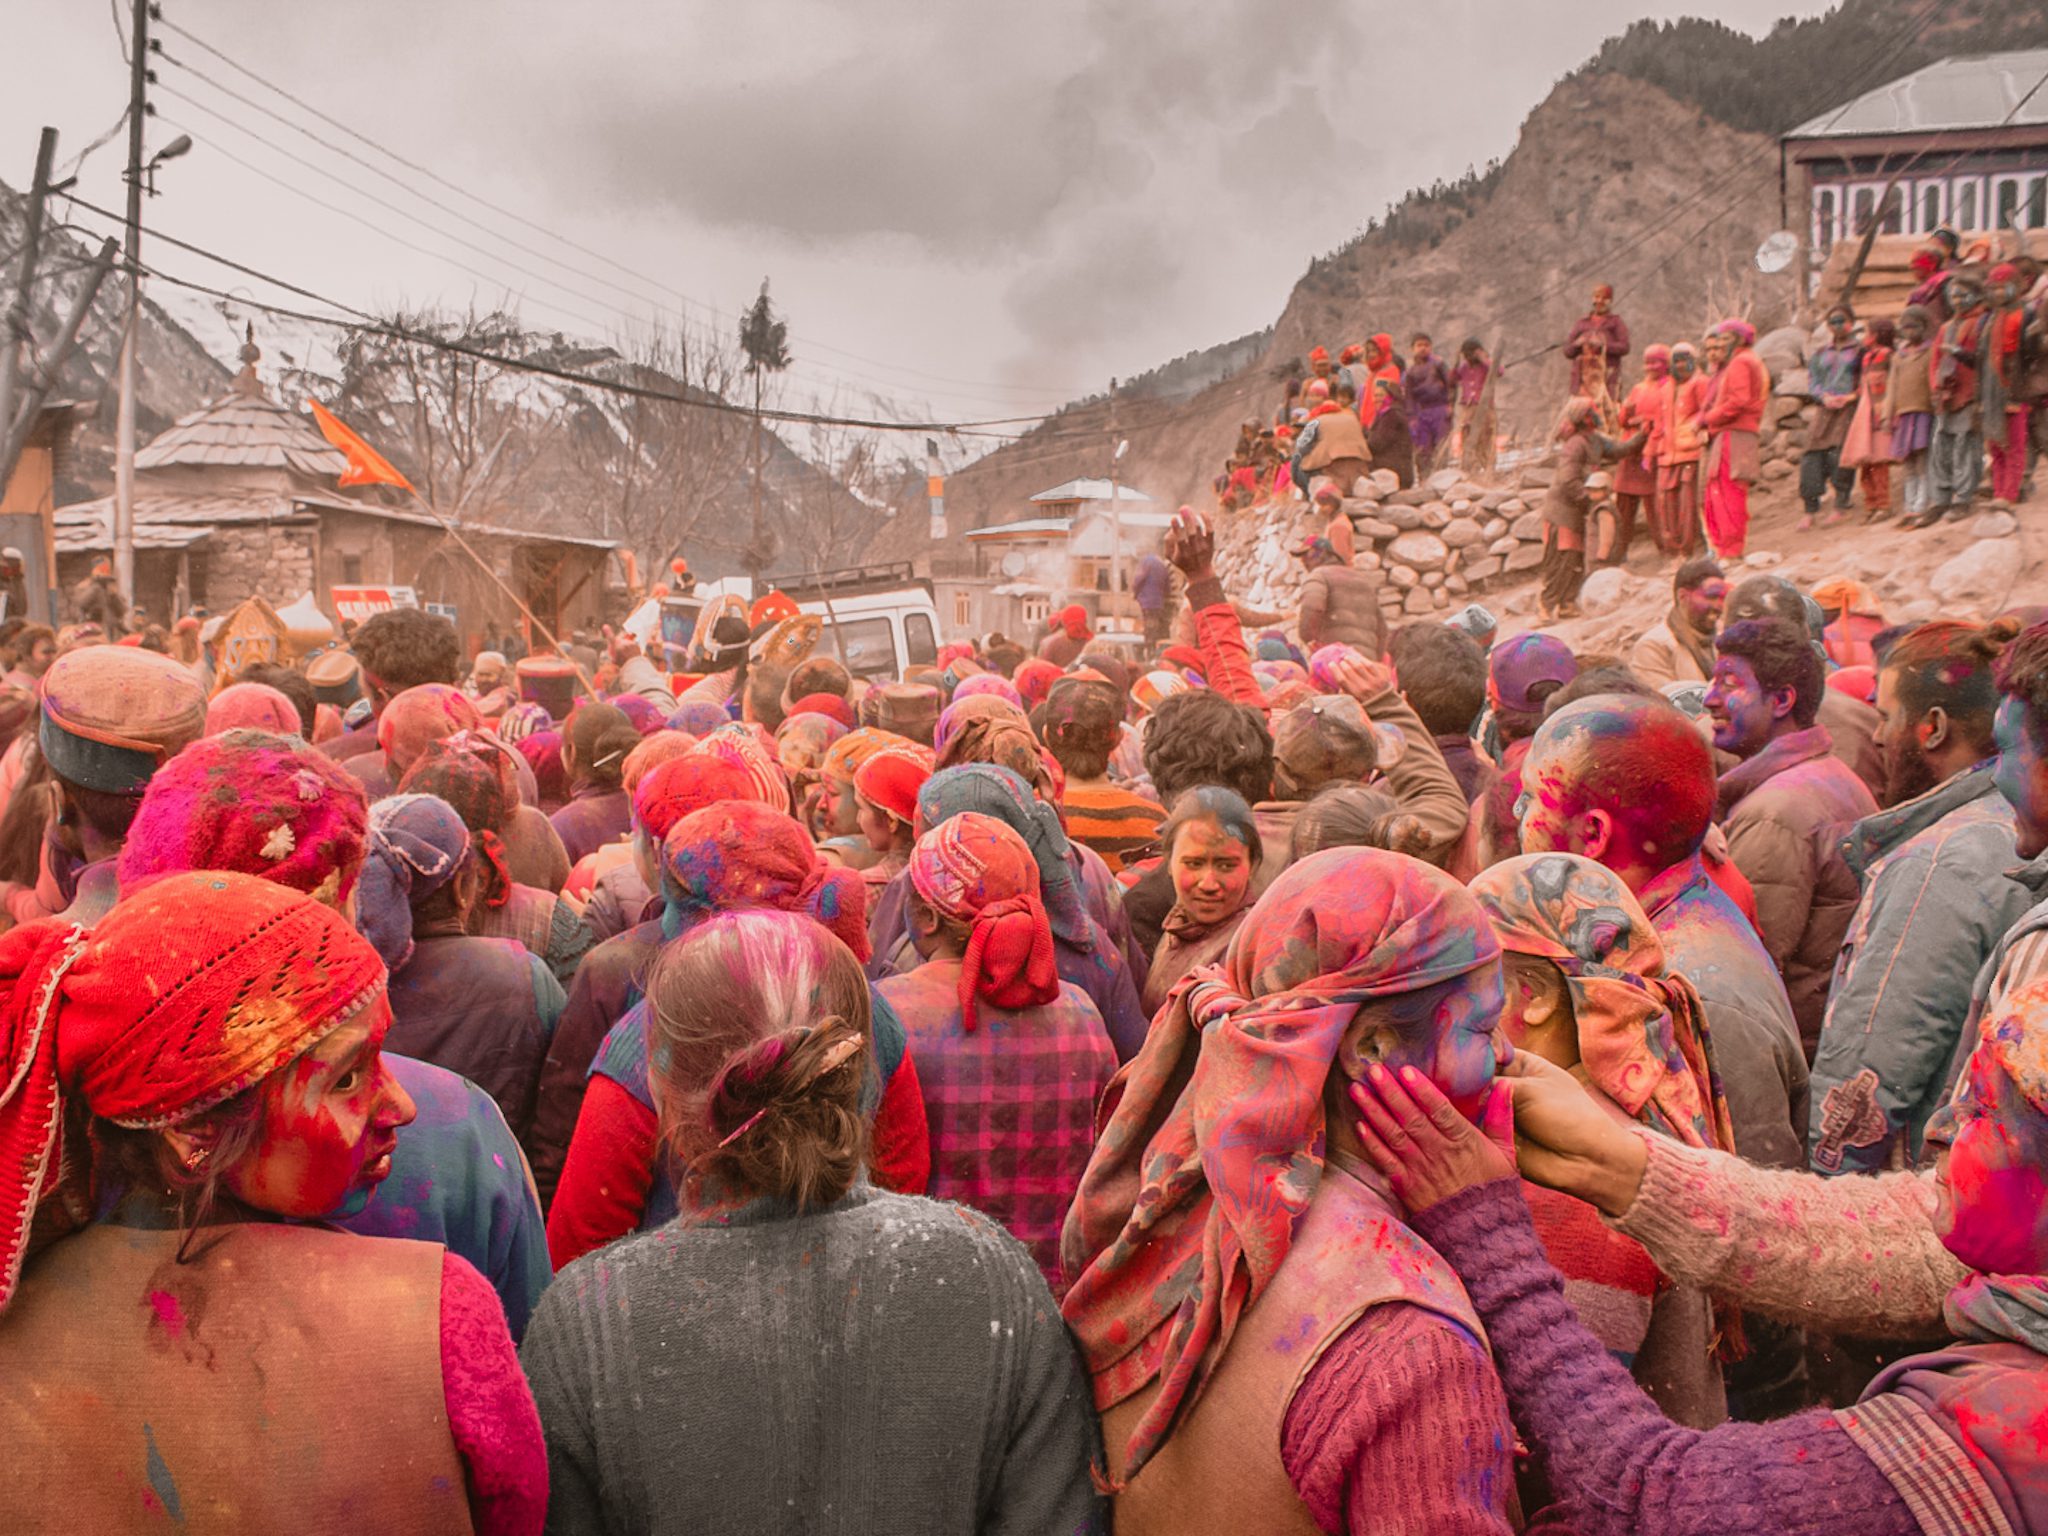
1936,900
1851,722
1629,782
1786,805
1679,648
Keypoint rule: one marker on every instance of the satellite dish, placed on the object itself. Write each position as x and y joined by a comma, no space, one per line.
1014,564
1777,251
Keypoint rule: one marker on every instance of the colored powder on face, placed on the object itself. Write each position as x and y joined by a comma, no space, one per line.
160,1480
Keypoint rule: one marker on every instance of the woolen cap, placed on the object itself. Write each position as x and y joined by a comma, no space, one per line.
112,716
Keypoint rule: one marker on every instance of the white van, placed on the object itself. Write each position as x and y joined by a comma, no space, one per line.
880,620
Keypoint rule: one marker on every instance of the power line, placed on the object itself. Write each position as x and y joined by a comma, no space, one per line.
427,171
365,322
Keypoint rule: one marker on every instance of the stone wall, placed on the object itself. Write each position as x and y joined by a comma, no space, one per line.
275,561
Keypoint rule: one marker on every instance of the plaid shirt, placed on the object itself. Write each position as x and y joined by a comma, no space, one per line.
1011,1107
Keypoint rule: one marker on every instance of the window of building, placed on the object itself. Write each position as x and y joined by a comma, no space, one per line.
1931,207
1037,610
351,570
963,610
1862,205
2005,202
2036,204
1827,214
1968,205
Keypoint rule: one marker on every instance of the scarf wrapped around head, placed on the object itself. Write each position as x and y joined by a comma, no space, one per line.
987,733
646,715
1155,688
843,759
1001,793
963,711
988,684
255,803
975,870
744,855
1741,331
830,705
473,773
421,716
522,720
802,741
1642,1034
890,780
252,707
417,845
189,991
685,785
543,753
745,746
698,717
1192,1198
1034,681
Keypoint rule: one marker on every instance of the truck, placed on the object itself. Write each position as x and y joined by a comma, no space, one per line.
880,620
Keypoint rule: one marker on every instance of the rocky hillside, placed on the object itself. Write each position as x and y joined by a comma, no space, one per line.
1645,169
176,373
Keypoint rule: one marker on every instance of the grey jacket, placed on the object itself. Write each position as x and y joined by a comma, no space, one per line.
888,1363
1936,900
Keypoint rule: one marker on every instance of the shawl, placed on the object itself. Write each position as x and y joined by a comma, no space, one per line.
189,992
975,870
1642,1033
999,792
743,855
1213,1145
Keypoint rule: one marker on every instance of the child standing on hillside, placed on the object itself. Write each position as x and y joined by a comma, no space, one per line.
1909,408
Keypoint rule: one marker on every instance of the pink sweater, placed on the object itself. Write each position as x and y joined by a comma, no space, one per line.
490,1408
1853,1255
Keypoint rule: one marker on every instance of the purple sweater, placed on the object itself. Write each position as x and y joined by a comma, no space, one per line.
1621,1467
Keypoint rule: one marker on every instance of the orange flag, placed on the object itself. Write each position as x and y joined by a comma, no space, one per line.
366,466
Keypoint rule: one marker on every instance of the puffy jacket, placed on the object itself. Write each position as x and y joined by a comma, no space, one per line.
1340,605
1333,434
1786,811
1936,900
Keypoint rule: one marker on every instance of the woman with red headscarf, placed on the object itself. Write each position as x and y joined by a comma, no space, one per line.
1732,413
206,1062
1271,1347
1010,1058
731,857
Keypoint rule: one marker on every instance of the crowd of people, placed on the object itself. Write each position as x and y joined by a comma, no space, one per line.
1313,1079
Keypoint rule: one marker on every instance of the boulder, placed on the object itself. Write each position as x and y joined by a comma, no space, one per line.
1374,527
1530,526
1782,350
1995,524
1762,559
1493,528
1493,501
1436,515
1404,517
1526,557
1919,611
1414,496
1460,531
1981,575
1466,490
1441,598
1432,579
1443,480
1538,477
1605,590
1514,506
1779,469
1362,486
1367,560
1424,551
1793,381
1402,576
1504,546
1456,585
1484,568
1419,601
1384,483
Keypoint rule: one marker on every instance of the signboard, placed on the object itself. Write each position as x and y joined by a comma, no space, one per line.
441,610
355,604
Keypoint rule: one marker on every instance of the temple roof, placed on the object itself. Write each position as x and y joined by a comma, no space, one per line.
246,428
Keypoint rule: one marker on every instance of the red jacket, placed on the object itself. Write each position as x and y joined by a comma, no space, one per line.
1738,400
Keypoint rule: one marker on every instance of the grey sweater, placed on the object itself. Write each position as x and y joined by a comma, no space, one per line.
886,1364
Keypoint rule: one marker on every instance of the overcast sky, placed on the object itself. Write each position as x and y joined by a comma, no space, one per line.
983,209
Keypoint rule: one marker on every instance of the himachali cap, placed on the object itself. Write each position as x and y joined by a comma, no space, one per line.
908,707
549,681
112,716
1521,663
337,678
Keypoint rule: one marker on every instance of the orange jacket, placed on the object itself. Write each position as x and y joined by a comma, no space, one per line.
1738,403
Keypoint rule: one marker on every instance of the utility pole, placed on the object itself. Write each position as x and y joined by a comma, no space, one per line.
754,556
124,429
19,339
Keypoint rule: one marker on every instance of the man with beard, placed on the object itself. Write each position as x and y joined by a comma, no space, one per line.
1850,721
1937,898
1786,804
1679,648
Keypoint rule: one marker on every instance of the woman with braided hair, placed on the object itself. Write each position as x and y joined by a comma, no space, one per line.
797,1339
206,1063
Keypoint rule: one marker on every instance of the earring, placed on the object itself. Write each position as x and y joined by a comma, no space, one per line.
196,1158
